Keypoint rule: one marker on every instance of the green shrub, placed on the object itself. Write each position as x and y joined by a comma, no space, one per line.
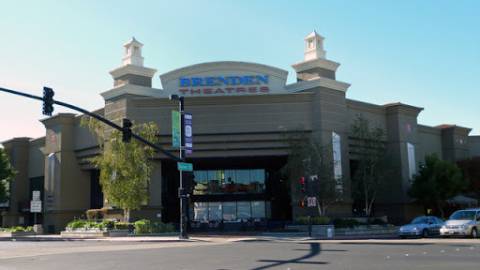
122,225
77,224
159,227
143,226
108,224
346,223
17,229
320,220
378,221
85,224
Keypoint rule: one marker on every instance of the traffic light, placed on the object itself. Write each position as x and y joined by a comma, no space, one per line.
48,101
301,181
303,190
126,130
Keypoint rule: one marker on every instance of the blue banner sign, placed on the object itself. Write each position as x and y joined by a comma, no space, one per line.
188,133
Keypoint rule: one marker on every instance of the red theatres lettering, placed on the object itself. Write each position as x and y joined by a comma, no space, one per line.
226,90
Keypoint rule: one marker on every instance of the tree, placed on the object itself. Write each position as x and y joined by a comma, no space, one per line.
124,167
471,171
308,157
6,175
437,181
372,162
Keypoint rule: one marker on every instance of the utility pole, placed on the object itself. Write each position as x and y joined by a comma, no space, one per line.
181,190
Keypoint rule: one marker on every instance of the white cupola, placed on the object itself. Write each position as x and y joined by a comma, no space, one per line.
133,53
314,47
315,63
132,71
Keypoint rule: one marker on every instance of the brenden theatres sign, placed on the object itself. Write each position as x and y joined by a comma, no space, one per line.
217,85
224,78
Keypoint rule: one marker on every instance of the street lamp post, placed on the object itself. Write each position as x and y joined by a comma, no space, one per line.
181,190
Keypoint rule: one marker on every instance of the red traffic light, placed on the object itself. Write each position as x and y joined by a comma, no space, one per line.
301,180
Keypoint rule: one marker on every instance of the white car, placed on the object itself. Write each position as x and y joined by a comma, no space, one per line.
462,223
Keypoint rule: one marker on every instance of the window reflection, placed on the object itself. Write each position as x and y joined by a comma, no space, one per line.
200,211
229,181
215,211
229,211
258,209
244,211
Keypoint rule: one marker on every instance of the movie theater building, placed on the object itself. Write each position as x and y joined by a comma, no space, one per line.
241,114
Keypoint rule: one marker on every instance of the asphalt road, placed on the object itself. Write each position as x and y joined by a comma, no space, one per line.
255,254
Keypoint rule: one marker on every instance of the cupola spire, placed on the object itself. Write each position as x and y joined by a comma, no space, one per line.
314,47
133,53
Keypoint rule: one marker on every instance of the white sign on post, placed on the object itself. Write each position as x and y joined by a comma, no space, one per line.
311,201
35,206
36,195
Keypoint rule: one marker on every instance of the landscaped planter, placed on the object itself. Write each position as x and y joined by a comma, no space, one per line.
117,233
323,231
83,233
367,230
16,234
157,234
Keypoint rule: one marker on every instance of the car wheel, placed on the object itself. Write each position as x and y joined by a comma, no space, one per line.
424,233
403,237
474,233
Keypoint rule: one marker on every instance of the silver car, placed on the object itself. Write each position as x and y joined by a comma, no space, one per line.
462,223
422,226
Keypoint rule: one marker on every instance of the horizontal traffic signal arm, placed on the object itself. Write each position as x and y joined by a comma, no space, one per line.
99,118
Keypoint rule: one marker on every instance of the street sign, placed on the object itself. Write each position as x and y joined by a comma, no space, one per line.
311,201
36,195
182,166
188,134
35,206
175,129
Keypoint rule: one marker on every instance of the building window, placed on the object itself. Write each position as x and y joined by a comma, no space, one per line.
229,211
241,181
200,211
244,210
258,209
215,211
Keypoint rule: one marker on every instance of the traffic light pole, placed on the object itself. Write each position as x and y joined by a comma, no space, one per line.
98,117
308,191
181,190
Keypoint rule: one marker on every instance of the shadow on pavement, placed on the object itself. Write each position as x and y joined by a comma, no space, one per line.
385,243
315,250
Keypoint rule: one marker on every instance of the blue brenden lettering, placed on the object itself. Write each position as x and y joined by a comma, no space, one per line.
223,80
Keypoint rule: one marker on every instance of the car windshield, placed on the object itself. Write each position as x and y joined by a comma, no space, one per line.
463,215
418,220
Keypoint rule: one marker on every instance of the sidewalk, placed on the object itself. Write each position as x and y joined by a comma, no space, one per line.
164,239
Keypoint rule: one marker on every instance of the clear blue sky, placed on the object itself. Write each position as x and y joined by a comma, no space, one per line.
423,53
